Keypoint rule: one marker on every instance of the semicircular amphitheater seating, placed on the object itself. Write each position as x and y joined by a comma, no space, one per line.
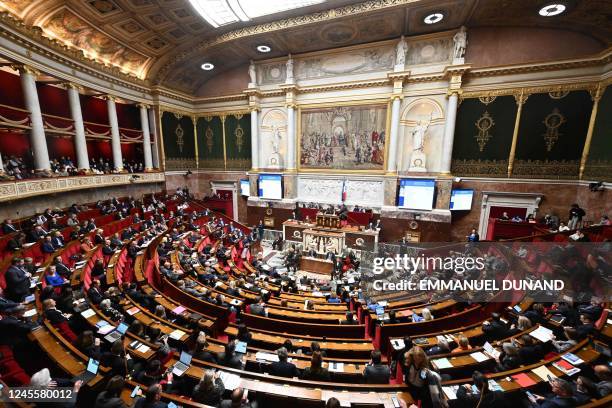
177,303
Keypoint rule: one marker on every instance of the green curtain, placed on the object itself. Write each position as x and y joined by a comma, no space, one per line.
179,143
551,135
238,141
210,142
599,163
483,136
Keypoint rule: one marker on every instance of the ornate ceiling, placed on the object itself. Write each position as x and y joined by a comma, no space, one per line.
165,41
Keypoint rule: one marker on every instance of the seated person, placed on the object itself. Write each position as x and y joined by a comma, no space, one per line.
485,398
316,372
376,372
282,368
463,345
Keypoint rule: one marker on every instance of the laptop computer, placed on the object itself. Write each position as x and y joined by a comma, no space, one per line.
241,347
117,333
182,365
90,372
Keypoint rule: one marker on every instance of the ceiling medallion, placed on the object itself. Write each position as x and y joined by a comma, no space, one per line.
484,124
553,122
487,99
179,132
552,10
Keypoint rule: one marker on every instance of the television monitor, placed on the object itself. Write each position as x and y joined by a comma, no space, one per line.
461,199
245,187
270,186
416,194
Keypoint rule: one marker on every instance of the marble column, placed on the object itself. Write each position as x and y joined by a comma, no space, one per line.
115,137
449,132
153,132
38,142
146,138
1,164
254,139
393,135
80,143
596,96
290,162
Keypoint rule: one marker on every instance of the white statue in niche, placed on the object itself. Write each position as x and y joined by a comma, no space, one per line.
252,75
460,40
275,159
400,54
289,66
418,159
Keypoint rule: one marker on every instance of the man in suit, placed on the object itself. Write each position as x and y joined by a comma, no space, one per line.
484,398
238,400
61,268
562,395
99,237
36,233
495,329
282,368
58,240
8,227
94,293
47,246
349,318
17,281
259,308
375,372
586,327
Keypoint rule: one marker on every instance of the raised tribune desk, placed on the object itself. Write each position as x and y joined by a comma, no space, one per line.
329,239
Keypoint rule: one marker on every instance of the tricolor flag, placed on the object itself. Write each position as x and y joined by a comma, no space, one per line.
343,190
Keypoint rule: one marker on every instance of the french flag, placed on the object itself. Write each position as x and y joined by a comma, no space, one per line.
343,190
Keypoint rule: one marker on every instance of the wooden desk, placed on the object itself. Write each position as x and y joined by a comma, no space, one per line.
316,265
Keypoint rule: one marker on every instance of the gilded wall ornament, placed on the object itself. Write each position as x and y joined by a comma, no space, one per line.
179,132
208,134
484,124
239,133
487,99
558,94
553,122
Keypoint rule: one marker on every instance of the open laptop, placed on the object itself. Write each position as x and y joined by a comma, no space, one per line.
182,365
117,333
90,372
241,347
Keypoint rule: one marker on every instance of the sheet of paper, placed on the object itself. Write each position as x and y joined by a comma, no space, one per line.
132,311
572,358
143,348
260,355
106,329
398,344
478,356
177,334
335,367
488,348
230,381
523,380
542,333
451,391
442,363
543,372
87,313
29,313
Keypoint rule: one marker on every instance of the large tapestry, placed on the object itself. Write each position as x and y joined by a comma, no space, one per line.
343,138
179,141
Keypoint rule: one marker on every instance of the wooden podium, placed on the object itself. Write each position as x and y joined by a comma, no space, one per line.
328,221
316,265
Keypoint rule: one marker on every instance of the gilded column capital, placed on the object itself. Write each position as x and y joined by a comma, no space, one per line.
109,98
72,85
596,93
291,105
521,97
23,68
454,91
399,97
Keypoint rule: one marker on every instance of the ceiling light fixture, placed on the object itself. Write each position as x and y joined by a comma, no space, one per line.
221,12
207,66
552,10
433,18
264,48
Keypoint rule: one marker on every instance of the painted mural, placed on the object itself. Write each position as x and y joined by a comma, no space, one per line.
343,138
74,31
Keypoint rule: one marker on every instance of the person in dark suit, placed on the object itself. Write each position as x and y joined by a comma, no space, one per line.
17,281
47,246
95,293
16,242
531,351
111,396
58,240
13,327
485,398
151,399
238,400
562,395
282,368
61,268
316,372
376,372
495,329
586,328
350,319
258,308
209,390
229,358
8,227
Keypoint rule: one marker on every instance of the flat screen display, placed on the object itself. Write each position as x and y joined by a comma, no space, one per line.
270,186
416,194
245,188
461,199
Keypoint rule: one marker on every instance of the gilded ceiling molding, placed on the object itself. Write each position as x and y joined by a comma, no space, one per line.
223,113
580,86
327,15
602,59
